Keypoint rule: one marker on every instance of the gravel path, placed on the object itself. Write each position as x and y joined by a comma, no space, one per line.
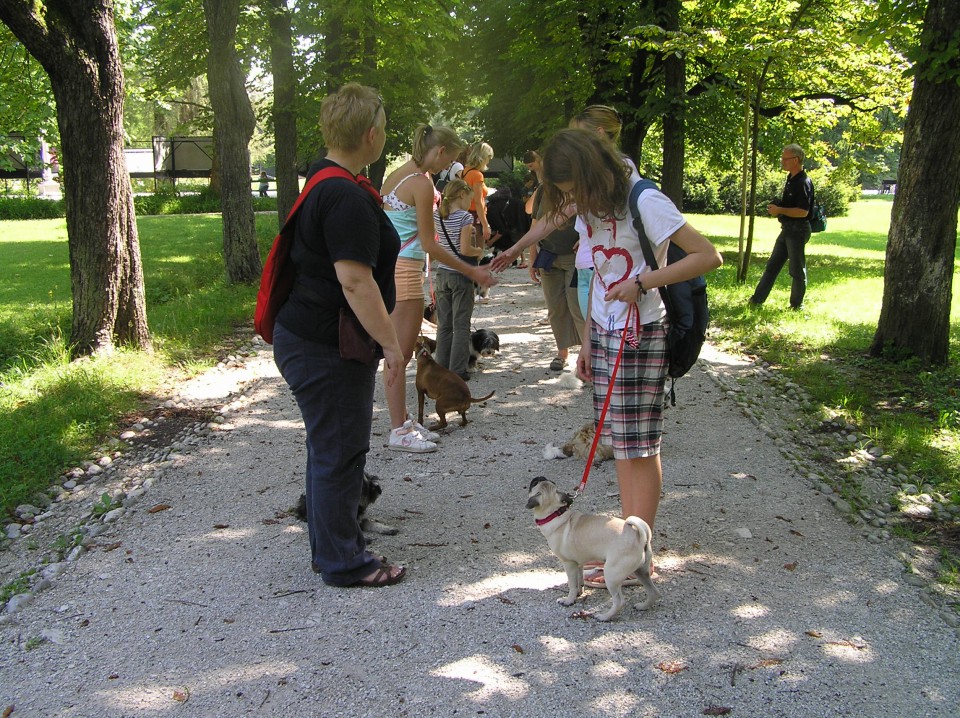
190,593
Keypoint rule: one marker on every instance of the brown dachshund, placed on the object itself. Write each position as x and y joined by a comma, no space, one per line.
449,391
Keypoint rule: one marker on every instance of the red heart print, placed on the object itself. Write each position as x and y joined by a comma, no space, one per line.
613,265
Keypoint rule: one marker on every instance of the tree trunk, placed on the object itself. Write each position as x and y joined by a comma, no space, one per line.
917,280
75,42
284,107
233,121
675,80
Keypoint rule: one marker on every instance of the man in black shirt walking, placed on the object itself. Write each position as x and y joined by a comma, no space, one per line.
793,211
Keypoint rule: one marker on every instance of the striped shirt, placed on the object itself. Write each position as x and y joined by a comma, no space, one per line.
453,225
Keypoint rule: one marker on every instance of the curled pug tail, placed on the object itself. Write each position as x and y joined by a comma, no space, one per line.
640,526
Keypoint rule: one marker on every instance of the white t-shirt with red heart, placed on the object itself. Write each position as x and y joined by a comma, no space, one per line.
612,247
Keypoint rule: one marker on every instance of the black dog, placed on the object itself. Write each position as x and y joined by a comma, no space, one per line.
369,493
430,313
483,343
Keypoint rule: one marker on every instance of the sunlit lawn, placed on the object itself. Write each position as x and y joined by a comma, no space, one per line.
911,410
54,412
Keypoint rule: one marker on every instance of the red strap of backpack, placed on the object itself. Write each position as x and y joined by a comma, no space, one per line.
327,173
606,402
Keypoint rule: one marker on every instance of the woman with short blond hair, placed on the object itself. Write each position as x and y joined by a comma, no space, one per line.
343,252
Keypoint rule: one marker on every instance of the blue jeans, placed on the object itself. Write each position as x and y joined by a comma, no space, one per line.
335,397
789,248
584,278
454,297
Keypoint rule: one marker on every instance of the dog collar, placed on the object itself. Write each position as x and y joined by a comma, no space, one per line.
559,512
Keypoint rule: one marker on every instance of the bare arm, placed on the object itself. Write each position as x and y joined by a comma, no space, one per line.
423,201
795,212
363,296
584,365
480,203
538,230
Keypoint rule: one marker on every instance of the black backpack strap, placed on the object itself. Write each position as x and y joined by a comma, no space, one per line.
450,242
647,247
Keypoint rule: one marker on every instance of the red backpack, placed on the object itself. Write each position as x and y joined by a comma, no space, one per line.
278,276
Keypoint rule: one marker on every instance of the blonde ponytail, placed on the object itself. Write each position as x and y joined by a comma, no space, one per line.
454,190
427,137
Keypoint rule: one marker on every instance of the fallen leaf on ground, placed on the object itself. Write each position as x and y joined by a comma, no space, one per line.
158,508
797,533
671,667
716,710
790,566
847,644
181,696
221,526
767,662
814,634
518,649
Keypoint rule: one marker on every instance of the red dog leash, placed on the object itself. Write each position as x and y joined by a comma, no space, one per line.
606,402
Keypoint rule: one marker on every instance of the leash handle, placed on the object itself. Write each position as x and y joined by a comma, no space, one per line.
606,402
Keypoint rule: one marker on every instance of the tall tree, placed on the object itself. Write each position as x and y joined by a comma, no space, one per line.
284,106
75,41
675,91
918,276
393,47
233,124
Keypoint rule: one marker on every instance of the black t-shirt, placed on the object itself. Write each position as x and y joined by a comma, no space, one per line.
339,220
797,192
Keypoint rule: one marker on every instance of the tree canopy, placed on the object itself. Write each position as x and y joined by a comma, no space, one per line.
832,75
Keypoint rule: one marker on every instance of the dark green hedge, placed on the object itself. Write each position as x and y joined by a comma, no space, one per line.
721,194
160,203
31,208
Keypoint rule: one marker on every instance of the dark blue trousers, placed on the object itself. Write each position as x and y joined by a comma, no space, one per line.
335,397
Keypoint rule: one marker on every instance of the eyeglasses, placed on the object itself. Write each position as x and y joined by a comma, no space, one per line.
789,157
377,111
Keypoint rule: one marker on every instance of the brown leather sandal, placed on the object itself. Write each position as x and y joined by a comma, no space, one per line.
385,575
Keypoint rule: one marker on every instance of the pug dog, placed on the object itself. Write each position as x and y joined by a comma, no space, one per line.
624,546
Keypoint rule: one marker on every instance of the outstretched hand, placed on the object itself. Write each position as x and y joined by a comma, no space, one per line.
484,277
503,260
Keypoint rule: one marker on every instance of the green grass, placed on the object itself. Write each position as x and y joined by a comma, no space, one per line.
912,411
53,412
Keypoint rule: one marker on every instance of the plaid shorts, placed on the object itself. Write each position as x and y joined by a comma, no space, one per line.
634,420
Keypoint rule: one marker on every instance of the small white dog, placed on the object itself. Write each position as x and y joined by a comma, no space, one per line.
575,538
